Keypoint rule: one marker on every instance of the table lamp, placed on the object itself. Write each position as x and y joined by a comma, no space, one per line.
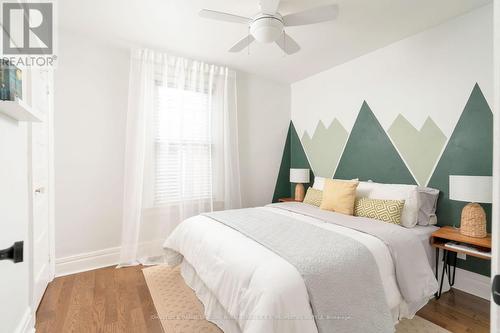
299,177
472,189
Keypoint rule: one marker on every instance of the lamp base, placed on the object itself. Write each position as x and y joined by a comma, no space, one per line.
299,192
473,222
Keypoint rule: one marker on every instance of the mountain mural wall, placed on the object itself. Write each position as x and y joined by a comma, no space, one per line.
419,148
403,154
294,156
370,155
325,147
469,152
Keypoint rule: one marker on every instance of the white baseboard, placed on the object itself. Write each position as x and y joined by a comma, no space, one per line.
27,323
87,261
473,283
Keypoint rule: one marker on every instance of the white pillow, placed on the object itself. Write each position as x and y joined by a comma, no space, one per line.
319,183
408,193
427,198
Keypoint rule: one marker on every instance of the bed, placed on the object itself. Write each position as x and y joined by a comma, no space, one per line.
246,286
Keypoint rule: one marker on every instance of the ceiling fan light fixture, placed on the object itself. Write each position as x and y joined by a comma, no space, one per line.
266,29
269,25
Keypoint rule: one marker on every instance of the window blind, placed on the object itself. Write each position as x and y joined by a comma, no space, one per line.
183,167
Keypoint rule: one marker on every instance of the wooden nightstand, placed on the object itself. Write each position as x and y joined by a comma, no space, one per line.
288,200
447,234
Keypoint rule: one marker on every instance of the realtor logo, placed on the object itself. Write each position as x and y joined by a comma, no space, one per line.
27,28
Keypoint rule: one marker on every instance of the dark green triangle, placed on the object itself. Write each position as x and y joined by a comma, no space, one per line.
282,188
294,156
298,157
468,152
370,154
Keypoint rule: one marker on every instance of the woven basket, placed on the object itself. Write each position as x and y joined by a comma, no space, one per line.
473,222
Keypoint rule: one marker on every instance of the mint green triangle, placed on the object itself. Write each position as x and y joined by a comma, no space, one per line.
468,152
369,153
419,148
325,147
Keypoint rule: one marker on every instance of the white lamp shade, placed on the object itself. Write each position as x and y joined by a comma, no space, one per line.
471,188
299,176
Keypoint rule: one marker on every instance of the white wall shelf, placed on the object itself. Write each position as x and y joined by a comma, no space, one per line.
20,111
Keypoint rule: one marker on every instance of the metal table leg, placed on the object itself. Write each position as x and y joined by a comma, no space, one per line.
436,273
451,277
445,260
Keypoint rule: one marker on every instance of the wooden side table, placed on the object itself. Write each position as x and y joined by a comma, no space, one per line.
288,200
447,234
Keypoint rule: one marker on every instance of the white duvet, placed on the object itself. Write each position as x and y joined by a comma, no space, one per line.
247,288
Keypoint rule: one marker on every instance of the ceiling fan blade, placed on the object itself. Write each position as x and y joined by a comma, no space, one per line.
315,15
242,44
288,44
269,6
220,16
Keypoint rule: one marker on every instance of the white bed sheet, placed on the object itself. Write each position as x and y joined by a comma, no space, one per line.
423,232
235,275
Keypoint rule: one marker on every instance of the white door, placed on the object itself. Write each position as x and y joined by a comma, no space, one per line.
40,140
15,311
495,268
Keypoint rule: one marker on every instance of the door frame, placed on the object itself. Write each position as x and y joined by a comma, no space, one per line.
49,122
51,180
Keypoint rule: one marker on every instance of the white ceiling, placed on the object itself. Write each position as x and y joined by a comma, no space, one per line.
174,25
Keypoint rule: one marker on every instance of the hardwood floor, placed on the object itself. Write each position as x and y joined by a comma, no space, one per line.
459,312
118,300
102,300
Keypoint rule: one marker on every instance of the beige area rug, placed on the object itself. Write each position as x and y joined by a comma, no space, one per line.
180,311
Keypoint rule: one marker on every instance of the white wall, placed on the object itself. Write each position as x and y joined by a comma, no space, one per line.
91,83
90,117
428,74
263,117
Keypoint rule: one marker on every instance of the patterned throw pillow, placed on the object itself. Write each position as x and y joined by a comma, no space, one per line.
383,210
313,197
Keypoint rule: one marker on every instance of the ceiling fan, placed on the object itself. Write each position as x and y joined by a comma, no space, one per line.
269,25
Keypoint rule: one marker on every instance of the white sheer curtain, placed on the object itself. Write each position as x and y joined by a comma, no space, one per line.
181,154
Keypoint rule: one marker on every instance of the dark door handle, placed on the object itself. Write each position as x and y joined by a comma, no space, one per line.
14,253
495,289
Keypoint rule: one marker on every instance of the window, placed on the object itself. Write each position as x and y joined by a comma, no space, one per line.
183,169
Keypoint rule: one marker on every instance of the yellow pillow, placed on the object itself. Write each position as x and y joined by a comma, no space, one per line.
313,197
339,196
383,210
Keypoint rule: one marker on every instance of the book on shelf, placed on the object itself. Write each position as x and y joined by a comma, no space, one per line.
10,81
468,248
